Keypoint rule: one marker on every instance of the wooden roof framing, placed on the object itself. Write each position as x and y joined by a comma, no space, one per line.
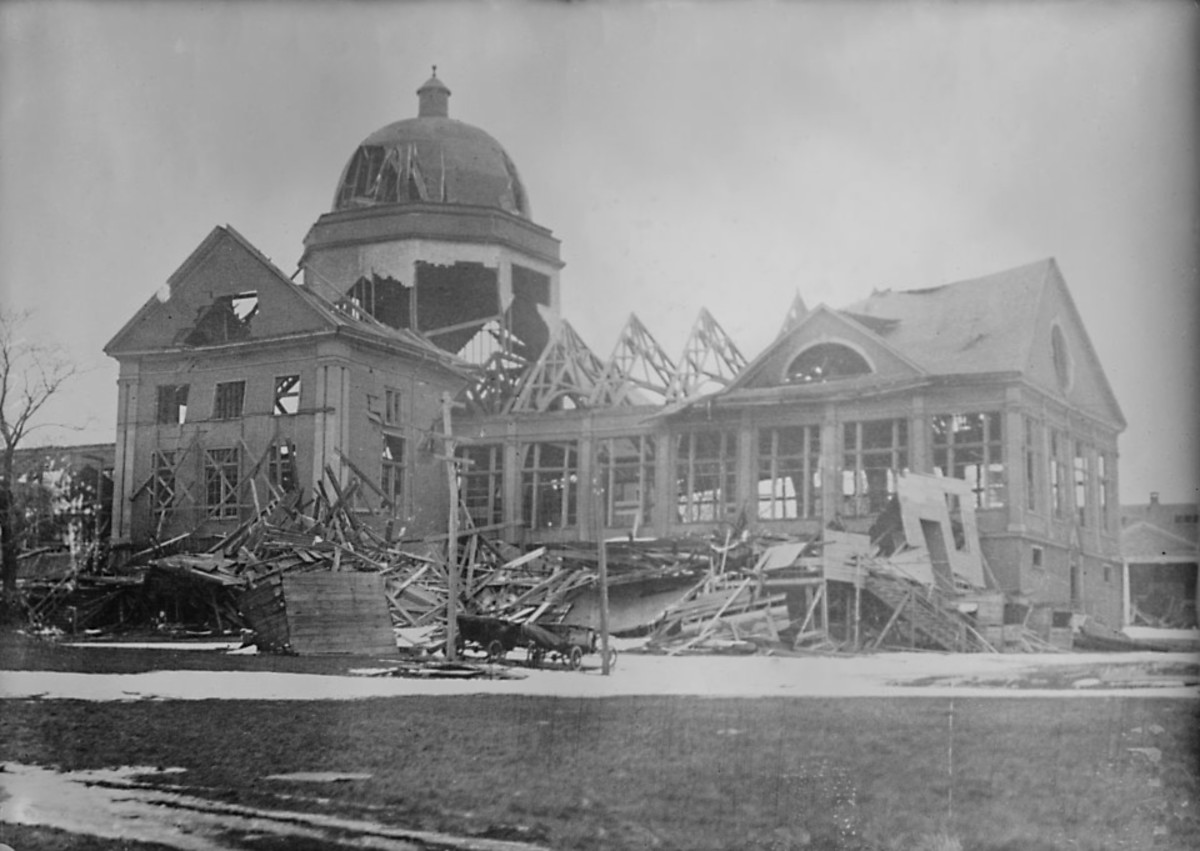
638,363
709,357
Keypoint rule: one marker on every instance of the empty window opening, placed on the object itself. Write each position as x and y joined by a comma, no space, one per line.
287,395
172,404
391,477
1083,475
383,298
230,396
1035,557
789,472
971,447
1163,595
1033,464
1058,476
1103,487
222,468
706,475
1061,357
524,320
550,484
454,301
874,454
282,471
391,406
227,320
627,480
481,483
826,362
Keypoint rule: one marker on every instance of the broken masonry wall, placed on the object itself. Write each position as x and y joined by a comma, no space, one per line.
392,396
141,435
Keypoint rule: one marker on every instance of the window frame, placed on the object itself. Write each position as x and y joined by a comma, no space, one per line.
538,480
695,504
481,473
287,388
171,411
224,404
613,471
392,470
772,469
228,502
862,500
990,485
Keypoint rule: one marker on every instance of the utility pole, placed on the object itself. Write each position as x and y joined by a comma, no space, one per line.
602,568
452,537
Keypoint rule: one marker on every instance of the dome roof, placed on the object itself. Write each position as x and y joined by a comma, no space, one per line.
431,159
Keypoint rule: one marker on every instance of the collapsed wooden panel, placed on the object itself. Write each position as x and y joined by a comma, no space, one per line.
322,613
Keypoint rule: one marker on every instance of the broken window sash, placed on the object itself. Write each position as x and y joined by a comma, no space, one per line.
221,476
789,472
281,467
971,447
874,454
392,465
826,362
481,482
706,475
172,404
287,395
550,485
626,466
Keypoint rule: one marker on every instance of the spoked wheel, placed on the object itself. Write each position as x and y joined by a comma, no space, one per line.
575,657
495,651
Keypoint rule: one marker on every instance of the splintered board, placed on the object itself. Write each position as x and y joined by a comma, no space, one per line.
322,614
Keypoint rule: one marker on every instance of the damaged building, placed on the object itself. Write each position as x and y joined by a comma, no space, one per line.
242,386
1161,552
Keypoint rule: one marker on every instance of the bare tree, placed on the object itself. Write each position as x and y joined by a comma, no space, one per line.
31,372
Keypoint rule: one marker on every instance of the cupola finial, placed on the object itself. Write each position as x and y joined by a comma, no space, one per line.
433,98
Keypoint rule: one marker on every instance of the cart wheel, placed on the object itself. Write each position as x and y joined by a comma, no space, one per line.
495,651
575,657
612,659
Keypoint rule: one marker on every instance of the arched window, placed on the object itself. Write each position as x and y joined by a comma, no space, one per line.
826,362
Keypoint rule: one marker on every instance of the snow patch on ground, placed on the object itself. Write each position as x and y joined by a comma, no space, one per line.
883,675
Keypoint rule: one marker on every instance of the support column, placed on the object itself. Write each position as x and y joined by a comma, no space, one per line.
126,454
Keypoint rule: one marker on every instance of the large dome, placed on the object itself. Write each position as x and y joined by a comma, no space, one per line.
431,159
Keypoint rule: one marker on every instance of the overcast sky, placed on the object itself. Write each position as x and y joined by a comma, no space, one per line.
724,155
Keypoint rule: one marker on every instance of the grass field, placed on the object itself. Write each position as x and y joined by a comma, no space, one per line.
637,773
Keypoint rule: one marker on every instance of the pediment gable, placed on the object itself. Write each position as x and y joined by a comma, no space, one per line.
844,345
1061,359
226,291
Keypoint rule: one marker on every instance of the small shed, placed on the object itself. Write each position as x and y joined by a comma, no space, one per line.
321,613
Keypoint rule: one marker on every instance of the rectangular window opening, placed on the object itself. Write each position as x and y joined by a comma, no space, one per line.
391,406
287,395
971,447
706,475
1035,556
481,483
626,466
392,471
550,485
874,454
281,467
172,404
789,473
222,469
230,397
